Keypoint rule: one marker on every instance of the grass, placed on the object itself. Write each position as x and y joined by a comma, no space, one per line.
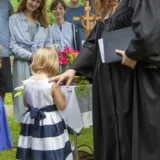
14,129
84,138
8,99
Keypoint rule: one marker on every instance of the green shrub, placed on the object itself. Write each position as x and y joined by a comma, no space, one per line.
8,99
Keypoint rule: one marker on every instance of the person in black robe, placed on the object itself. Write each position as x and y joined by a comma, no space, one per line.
126,101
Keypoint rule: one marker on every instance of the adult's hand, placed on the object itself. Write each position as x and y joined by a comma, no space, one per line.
66,76
126,60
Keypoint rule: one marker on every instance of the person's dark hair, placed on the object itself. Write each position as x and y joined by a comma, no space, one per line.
55,3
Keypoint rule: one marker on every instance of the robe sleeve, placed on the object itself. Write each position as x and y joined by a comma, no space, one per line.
146,25
83,64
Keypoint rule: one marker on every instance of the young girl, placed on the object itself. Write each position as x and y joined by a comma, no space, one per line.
43,133
28,32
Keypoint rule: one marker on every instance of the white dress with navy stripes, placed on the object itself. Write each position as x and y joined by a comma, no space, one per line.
43,135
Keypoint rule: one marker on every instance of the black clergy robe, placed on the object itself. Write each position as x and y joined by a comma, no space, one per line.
126,102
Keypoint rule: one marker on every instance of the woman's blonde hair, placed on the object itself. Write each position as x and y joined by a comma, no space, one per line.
104,7
39,14
45,60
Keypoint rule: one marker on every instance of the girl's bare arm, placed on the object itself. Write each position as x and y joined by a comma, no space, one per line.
59,97
24,101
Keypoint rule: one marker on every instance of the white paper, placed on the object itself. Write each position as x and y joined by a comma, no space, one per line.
101,48
83,42
72,114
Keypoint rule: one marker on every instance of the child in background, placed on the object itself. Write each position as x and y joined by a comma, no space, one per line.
43,135
63,32
5,137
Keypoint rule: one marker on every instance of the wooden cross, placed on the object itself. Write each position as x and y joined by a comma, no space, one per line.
86,19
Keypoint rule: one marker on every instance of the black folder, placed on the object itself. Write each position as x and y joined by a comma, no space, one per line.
118,39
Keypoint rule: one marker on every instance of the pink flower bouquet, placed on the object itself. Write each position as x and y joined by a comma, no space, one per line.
67,56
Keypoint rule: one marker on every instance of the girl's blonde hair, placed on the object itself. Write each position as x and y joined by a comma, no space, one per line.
45,60
104,7
39,14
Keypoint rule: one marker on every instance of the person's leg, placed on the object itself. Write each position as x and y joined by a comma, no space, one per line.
5,78
2,84
2,94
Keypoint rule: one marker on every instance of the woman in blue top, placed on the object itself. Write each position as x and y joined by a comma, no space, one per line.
5,72
28,32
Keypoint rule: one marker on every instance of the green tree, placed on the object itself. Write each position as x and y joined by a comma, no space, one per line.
82,2
50,17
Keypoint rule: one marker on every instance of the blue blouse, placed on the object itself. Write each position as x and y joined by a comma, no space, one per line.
62,36
5,10
20,43
32,29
